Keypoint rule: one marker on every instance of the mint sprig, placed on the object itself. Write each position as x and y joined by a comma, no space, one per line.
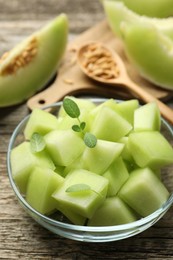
78,187
37,143
72,109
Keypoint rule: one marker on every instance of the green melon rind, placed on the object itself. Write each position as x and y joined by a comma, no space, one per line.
154,8
52,40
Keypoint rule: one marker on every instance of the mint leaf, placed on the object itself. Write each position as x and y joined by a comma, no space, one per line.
78,187
82,125
90,140
71,108
37,143
76,128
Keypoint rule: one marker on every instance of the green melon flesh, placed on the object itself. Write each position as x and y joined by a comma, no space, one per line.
99,158
23,161
150,148
126,154
126,109
84,202
144,192
113,211
41,122
17,86
74,217
117,13
147,118
64,146
154,8
41,184
117,175
109,125
151,57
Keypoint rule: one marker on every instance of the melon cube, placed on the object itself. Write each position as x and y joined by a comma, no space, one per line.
99,158
23,161
147,118
111,103
67,122
82,202
127,108
83,104
150,148
126,153
74,217
117,175
144,192
40,121
109,125
41,184
76,164
64,146
113,211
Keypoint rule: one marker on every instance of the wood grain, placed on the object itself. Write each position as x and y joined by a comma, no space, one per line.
20,236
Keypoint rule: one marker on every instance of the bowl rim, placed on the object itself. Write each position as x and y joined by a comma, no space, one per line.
156,215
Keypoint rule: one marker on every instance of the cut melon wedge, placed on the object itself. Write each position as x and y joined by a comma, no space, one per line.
31,64
144,192
23,161
84,202
42,183
113,211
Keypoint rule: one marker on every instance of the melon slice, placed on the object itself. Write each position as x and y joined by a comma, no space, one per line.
23,161
109,125
99,158
84,202
144,192
126,109
117,175
147,118
113,211
154,8
30,65
150,148
41,122
41,184
64,146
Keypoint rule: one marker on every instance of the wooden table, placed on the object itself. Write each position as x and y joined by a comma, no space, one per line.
20,236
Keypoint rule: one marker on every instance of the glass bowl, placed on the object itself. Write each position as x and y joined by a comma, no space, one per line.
61,227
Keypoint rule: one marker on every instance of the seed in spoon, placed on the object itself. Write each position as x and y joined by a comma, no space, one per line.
99,63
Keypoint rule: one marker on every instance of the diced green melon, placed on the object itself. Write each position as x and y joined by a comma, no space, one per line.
126,109
113,211
150,148
40,121
65,122
99,158
23,161
109,125
64,146
117,175
41,184
84,202
144,192
147,117
126,154
76,164
83,104
111,103
74,217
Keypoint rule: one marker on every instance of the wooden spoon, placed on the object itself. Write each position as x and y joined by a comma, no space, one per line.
86,60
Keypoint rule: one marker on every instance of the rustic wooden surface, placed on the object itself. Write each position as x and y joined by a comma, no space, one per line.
20,236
